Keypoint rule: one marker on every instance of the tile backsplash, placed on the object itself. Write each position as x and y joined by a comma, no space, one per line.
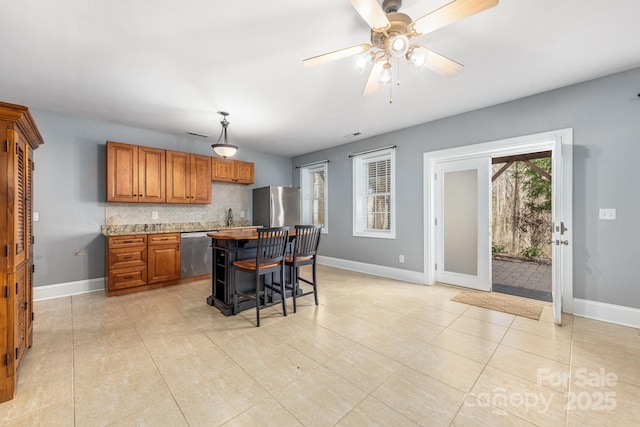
223,197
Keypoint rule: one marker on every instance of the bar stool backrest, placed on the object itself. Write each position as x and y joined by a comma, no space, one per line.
307,240
272,244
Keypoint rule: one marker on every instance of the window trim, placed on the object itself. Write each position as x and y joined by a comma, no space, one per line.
305,172
358,162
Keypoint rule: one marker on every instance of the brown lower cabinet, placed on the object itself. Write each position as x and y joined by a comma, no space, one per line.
164,258
140,262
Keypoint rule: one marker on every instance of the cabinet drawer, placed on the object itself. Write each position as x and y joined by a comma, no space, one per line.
127,257
127,241
127,278
163,239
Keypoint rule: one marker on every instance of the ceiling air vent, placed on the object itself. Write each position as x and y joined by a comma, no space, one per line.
201,135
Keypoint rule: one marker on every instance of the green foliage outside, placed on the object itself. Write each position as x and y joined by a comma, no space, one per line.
532,252
534,219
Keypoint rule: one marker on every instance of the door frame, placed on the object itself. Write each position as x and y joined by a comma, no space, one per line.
563,138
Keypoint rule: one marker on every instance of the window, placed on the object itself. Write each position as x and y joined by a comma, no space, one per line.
374,194
315,209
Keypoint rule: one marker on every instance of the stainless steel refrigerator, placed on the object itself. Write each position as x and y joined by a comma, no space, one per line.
276,206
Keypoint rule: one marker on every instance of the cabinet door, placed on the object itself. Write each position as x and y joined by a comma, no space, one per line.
222,170
200,179
164,263
244,172
122,172
21,309
151,176
21,219
178,177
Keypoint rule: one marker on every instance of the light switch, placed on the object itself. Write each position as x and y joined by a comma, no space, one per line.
36,217
608,214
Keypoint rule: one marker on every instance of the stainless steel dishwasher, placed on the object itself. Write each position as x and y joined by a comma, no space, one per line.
195,254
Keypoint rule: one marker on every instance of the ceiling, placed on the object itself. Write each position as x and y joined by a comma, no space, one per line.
170,66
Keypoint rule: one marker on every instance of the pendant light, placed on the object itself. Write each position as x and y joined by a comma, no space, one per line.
224,149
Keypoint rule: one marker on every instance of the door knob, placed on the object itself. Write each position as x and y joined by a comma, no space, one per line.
564,242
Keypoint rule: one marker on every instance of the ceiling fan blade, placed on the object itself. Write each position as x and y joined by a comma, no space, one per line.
335,55
449,13
373,82
441,64
372,12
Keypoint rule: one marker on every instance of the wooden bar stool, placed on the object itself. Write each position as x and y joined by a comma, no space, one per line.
304,252
272,244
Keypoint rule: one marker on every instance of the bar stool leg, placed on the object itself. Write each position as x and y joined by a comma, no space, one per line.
258,300
315,284
294,286
283,289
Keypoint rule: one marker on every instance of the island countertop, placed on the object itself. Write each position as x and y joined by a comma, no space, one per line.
240,234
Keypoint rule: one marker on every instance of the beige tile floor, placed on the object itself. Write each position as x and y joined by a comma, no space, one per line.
376,352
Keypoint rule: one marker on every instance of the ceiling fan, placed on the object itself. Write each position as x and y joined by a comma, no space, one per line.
391,34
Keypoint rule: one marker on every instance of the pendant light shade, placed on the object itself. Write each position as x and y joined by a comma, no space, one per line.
224,149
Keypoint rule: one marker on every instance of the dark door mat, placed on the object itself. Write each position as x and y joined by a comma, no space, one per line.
522,292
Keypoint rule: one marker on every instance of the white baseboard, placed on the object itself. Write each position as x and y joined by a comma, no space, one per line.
66,289
618,314
376,270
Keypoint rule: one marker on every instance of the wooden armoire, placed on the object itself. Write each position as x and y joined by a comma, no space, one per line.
19,136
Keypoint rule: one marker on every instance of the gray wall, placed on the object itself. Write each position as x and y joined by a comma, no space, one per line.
70,189
605,116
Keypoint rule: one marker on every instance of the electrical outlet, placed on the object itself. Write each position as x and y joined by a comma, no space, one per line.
609,214
401,258
241,214
154,215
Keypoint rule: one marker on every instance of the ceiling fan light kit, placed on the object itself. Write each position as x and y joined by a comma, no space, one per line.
391,34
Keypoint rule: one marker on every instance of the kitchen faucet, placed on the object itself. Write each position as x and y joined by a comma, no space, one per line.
230,218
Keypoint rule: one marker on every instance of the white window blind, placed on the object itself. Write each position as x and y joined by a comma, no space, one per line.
374,184
313,181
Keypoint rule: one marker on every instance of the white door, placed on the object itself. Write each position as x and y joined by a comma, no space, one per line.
463,229
561,209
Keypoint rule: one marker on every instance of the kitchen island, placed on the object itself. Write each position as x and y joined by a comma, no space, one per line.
227,247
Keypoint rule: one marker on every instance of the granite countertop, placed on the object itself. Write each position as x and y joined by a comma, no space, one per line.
126,229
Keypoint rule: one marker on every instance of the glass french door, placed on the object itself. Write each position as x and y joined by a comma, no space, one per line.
463,229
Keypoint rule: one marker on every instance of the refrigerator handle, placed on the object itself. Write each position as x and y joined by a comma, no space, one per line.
272,208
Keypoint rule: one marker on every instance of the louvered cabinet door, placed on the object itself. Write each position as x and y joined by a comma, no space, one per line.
21,225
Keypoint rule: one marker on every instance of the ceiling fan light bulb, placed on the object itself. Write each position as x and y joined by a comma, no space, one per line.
399,46
385,74
363,60
417,58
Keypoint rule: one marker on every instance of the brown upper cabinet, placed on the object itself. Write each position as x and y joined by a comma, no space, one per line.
232,171
188,178
135,174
